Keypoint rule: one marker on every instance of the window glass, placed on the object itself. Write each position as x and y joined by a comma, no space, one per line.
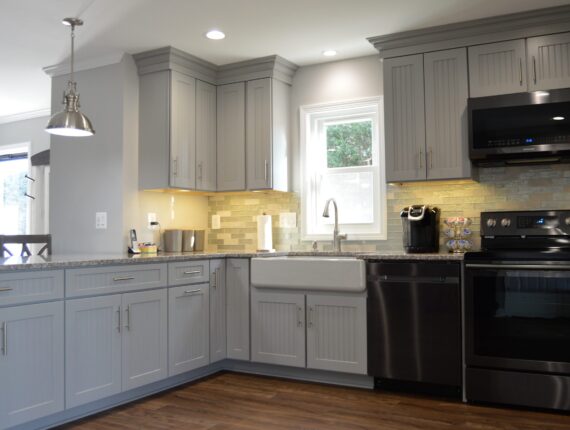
13,187
349,144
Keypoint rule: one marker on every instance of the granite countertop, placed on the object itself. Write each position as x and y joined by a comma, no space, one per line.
85,260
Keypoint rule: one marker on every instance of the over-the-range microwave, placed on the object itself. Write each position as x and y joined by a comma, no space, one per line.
522,128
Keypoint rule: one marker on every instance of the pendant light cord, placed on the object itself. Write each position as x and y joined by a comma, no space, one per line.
72,50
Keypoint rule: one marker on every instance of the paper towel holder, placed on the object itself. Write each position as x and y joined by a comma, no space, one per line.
264,233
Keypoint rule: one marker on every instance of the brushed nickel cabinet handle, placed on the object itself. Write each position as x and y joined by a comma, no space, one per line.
430,156
421,157
299,316
4,338
520,71
534,69
215,278
123,278
266,165
119,319
3,289
189,292
175,166
128,311
310,322
193,272
200,171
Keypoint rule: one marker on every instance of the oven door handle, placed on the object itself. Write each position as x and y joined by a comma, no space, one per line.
519,266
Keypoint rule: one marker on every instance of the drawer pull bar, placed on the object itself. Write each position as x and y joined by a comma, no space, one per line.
119,318
5,289
4,338
192,291
128,324
123,278
193,272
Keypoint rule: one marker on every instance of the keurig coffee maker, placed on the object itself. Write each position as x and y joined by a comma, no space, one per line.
420,224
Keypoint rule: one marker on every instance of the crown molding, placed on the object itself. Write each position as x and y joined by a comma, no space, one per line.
25,115
91,63
485,30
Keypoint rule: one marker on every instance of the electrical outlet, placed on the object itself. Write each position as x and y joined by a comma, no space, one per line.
101,220
151,217
216,223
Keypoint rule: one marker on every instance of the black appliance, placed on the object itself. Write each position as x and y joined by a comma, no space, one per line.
420,225
522,128
414,324
517,310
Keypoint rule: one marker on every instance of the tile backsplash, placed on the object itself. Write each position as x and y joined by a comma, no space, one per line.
502,188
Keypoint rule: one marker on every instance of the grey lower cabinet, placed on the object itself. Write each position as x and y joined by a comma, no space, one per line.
188,328
31,362
237,296
114,343
426,116
218,326
515,66
325,331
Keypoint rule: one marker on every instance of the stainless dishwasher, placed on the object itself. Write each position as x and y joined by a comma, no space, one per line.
414,322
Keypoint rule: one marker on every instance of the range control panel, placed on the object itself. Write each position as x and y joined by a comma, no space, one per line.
526,223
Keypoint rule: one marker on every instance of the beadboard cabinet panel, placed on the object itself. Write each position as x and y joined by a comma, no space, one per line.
497,68
446,94
549,61
404,118
231,137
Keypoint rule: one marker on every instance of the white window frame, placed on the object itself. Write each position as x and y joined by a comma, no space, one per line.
17,148
311,116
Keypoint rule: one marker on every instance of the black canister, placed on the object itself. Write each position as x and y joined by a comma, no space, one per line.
420,225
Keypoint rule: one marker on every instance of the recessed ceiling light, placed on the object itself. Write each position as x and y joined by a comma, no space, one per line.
558,118
329,53
215,34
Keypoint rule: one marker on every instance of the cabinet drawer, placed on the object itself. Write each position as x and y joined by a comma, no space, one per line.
188,272
26,287
115,279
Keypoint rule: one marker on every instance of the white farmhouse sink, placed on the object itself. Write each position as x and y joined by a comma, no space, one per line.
309,273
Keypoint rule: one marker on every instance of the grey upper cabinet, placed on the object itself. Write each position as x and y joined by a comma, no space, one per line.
205,136
497,68
446,93
404,118
549,61
231,137
425,116
267,134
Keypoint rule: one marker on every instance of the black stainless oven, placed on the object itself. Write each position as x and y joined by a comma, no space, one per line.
517,311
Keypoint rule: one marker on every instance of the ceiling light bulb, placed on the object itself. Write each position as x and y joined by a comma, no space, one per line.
215,35
329,53
558,118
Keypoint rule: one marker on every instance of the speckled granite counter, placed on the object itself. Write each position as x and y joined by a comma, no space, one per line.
70,261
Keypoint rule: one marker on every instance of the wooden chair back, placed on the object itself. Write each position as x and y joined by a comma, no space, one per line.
25,240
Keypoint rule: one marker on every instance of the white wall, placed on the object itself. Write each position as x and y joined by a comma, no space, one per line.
27,130
329,82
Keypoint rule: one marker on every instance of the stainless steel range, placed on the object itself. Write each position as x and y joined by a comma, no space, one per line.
517,310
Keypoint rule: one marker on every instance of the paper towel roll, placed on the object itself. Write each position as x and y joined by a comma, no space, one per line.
264,235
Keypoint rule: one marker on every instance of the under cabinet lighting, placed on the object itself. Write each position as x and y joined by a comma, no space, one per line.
558,118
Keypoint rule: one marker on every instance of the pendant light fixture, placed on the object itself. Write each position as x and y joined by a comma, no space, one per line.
70,121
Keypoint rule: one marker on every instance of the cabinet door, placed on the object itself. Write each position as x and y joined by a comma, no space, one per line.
205,136
183,131
446,94
336,333
404,118
278,328
258,134
231,137
92,349
497,68
144,339
31,362
237,294
549,61
217,310
188,328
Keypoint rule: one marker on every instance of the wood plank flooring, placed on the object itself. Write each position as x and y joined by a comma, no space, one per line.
237,401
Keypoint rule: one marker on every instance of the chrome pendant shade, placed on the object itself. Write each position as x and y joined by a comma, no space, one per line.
70,121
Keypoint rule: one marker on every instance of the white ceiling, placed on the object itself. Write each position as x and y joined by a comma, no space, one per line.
31,36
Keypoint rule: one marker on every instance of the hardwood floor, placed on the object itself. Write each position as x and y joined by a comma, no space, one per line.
237,401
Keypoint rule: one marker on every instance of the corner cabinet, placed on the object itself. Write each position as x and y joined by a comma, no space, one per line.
31,362
177,120
426,116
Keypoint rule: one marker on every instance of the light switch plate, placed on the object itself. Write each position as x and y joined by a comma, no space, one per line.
151,217
101,220
288,220
216,222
